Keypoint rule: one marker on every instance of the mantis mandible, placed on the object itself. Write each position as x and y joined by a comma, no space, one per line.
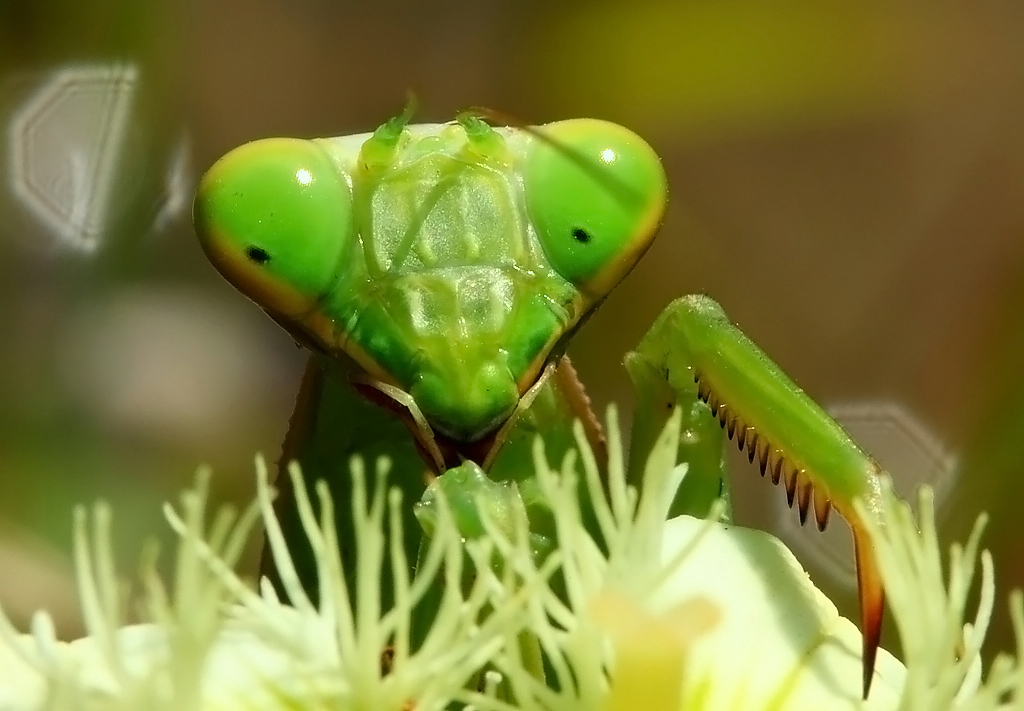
437,273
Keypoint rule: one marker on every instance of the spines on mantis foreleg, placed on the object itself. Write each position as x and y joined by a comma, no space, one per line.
772,460
702,354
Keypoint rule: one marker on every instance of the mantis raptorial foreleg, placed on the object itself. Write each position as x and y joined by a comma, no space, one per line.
693,357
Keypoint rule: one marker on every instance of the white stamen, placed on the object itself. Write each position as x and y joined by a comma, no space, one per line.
215,643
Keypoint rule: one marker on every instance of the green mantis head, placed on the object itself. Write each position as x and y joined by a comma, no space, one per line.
449,260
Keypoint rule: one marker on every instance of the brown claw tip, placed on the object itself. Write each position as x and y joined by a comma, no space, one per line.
872,602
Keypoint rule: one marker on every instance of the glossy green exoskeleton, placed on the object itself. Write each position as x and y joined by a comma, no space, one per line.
437,272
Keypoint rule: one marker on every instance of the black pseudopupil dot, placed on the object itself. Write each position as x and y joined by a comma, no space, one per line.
257,255
581,235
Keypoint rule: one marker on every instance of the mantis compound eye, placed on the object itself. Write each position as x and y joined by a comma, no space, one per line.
275,218
596,193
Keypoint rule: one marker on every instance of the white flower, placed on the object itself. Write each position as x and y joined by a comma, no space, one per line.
655,615
216,644
686,613
154,666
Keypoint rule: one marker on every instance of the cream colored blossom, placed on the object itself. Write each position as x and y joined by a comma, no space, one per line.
216,644
655,615
719,617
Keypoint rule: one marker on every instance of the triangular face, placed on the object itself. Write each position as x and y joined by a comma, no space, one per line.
447,260
447,290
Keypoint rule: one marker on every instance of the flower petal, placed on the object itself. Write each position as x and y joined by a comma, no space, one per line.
779,642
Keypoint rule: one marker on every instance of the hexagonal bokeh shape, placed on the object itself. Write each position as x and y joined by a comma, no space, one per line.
905,447
65,144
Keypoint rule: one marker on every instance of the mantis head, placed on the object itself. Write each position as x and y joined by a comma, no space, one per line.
449,261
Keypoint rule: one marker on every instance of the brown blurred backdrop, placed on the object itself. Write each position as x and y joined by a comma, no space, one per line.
848,180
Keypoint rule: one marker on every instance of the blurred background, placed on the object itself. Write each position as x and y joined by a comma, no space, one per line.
847,179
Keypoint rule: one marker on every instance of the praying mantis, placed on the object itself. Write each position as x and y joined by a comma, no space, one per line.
437,273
